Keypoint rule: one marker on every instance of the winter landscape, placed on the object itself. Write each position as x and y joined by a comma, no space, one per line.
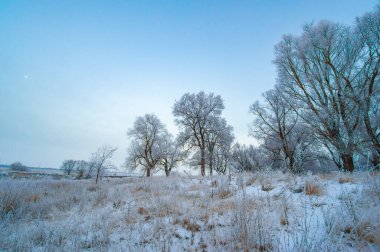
262,211
183,168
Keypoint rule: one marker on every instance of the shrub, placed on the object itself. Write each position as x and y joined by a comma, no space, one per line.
18,166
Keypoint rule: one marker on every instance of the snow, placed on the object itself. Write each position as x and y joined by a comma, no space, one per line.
252,211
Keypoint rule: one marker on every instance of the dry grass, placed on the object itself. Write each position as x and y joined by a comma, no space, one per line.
224,207
345,179
142,211
34,198
176,213
313,188
284,221
193,227
326,176
224,194
368,232
198,187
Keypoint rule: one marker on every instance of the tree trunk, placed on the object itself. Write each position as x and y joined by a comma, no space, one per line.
167,172
148,172
348,162
203,162
211,164
376,161
292,165
97,177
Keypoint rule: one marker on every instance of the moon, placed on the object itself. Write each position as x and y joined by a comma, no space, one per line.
26,76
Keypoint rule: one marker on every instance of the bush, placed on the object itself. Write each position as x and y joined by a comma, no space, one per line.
18,166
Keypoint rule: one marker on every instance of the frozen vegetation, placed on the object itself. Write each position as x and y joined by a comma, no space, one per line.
323,115
262,211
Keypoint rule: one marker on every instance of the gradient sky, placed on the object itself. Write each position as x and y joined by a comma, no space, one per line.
75,74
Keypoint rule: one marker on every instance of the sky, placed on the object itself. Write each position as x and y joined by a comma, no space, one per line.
75,74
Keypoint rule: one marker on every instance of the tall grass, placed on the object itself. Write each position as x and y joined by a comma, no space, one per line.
181,213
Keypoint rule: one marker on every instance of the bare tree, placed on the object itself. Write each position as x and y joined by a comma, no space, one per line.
193,114
248,158
219,138
319,71
368,32
171,153
81,168
146,134
100,160
282,131
68,166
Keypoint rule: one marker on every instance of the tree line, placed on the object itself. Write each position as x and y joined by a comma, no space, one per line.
324,111
95,167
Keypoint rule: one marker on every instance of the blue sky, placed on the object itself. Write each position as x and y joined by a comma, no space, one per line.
75,74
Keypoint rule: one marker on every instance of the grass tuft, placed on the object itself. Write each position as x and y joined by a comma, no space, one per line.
344,179
313,188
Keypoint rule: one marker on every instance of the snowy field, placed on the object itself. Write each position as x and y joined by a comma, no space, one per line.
267,211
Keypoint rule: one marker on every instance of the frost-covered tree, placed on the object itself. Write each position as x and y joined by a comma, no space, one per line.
241,159
193,113
147,134
81,167
281,130
319,70
219,137
248,158
100,160
368,33
68,166
171,153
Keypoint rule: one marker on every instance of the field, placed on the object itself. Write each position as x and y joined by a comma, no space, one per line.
266,211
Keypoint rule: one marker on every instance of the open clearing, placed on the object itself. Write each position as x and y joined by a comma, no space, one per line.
265,211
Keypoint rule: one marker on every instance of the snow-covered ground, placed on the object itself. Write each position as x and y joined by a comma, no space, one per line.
266,211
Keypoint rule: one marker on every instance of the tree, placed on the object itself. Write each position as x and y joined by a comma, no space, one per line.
147,134
18,166
368,32
100,160
81,168
170,153
219,138
280,128
248,158
319,70
193,113
68,166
